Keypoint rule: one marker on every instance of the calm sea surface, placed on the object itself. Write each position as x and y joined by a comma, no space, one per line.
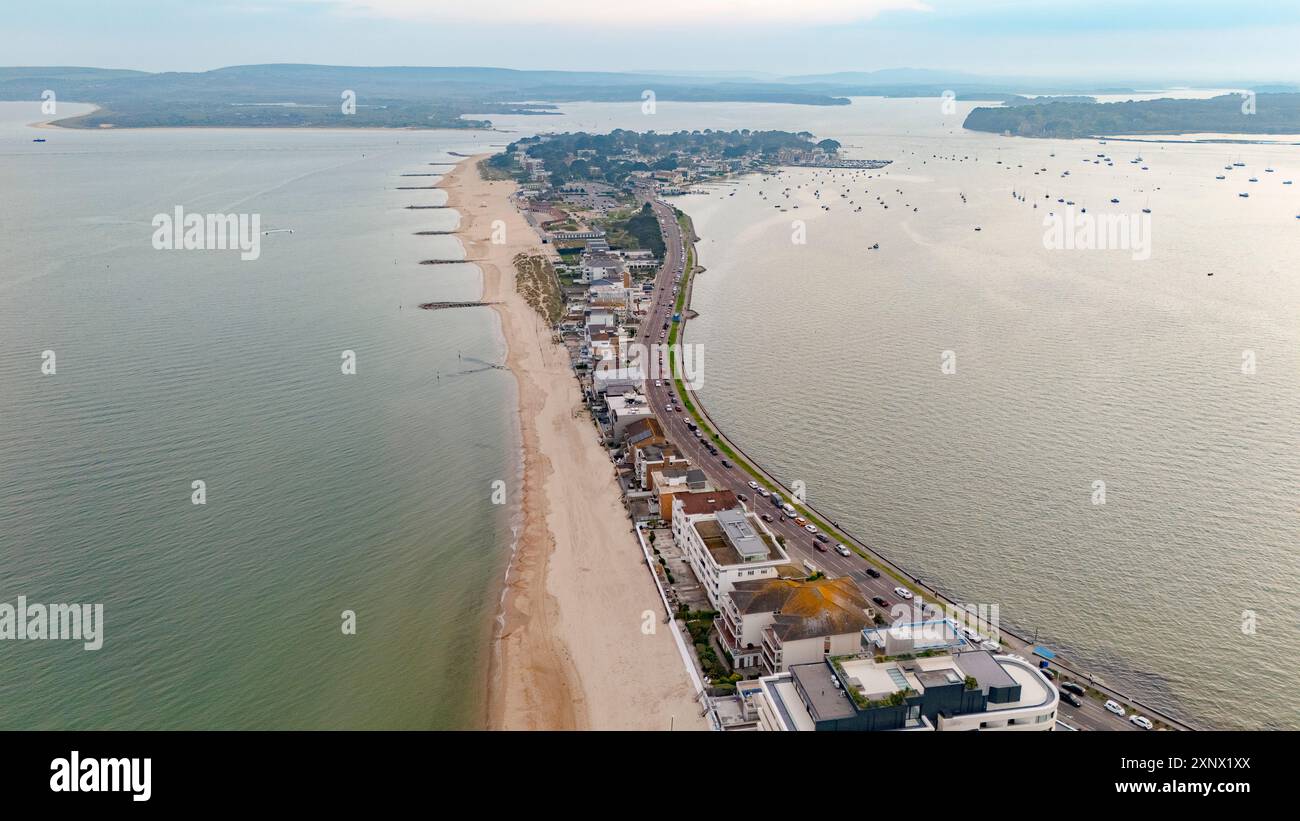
325,492
367,492
1072,367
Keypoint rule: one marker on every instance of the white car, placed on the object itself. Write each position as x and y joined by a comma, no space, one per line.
659,383
842,550
1141,721
991,646
1114,707
810,528
904,592
753,485
763,493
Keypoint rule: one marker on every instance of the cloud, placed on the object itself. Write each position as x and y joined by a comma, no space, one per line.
630,13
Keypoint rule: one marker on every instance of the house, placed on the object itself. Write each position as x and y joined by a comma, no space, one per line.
667,483
724,545
625,409
777,622
649,456
964,691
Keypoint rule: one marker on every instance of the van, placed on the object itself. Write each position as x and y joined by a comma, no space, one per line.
789,511
810,567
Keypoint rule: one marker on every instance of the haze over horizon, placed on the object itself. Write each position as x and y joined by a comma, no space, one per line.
1159,42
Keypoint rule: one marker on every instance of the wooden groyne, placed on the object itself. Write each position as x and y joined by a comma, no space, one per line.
428,207
434,233
439,306
446,261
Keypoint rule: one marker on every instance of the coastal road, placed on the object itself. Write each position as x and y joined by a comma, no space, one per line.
799,544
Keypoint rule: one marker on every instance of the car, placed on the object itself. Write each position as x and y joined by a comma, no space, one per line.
665,326
1074,688
1141,721
1049,672
659,383
873,572
742,497
904,592
842,550
1114,707
810,528
726,464
767,517
991,646
821,548
879,601
1071,699
821,537
668,408
753,485
799,520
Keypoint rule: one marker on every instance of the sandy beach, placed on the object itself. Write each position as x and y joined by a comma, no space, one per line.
571,652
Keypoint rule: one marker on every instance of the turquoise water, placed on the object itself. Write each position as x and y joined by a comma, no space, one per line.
325,492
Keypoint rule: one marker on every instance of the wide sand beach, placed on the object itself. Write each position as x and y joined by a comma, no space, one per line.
570,652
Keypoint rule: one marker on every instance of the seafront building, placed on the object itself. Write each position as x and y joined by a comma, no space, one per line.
770,624
974,690
724,545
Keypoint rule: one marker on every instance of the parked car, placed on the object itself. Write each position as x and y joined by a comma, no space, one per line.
1071,698
659,383
1049,672
1074,688
842,550
904,592
879,601
873,572
1114,707
767,517
1141,721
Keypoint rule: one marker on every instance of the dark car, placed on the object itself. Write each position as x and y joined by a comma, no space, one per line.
725,463
821,548
742,497
1073,688
1050,673
873,572
1071,698
767,517
879,601
821,537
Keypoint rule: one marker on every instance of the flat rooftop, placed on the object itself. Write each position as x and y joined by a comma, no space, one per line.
734,537
825,701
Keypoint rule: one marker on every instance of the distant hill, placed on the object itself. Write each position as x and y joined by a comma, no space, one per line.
1273,114
390,96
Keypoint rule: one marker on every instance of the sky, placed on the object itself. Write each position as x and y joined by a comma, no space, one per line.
1191,41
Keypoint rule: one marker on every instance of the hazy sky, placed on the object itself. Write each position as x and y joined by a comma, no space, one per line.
1192,40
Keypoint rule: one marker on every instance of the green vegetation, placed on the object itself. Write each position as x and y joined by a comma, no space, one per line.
1273,114
539,286
295,95
639,230
612,158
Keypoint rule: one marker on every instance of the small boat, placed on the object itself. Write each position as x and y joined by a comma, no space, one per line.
977,228
1243,194
1254,179
1286,182
39,140
1115,200
1268,171
1220,177
1146,210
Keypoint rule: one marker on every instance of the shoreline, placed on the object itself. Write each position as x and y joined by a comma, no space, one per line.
569,652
